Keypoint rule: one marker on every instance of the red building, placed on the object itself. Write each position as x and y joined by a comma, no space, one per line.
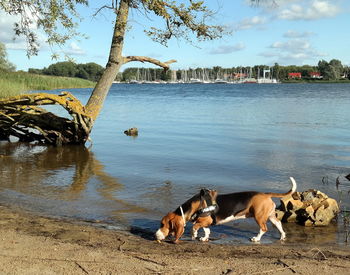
294,75
240,75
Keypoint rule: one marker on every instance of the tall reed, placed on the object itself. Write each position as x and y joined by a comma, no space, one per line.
14,83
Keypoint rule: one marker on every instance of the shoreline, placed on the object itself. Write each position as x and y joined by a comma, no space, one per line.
32,244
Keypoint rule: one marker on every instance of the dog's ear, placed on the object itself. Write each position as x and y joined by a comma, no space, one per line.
213,194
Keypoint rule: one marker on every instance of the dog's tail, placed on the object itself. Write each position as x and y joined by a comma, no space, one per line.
290,192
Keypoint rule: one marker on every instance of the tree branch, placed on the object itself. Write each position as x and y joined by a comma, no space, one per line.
104,7
164,65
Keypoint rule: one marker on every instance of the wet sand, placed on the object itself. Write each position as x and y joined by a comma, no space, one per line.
32,244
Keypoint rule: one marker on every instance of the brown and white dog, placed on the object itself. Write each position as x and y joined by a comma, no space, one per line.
174,222
242,205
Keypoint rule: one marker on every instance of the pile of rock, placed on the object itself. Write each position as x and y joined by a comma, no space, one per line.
132,131
310,208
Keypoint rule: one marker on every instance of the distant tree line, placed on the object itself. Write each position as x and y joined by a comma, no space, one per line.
332,70
90,71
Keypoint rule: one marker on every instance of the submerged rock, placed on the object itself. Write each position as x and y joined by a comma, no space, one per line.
310,208
132,132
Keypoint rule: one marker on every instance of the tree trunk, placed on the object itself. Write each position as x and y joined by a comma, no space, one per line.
115,61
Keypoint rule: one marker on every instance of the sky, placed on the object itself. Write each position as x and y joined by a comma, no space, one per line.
287,32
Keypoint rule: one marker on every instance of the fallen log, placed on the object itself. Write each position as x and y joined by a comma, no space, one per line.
21,117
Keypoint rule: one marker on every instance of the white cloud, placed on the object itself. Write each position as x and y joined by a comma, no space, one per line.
249,23
74,49
296,34
293,51
309,11
292,45
7,35
300,9
226,49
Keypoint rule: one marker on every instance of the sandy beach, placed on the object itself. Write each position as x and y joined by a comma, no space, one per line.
32,244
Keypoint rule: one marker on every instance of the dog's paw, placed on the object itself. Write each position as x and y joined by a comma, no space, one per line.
283,238
255,240
203,239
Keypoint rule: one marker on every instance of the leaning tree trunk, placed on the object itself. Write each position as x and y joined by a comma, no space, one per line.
115,61
21,117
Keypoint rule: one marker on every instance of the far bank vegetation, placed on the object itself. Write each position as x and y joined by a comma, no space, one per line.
324,71
14,83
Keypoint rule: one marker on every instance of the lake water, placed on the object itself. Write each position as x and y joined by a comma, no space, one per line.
228,137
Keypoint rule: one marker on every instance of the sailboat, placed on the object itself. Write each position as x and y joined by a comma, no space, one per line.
267,80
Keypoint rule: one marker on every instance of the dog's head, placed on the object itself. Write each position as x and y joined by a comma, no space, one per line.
169,225
173,223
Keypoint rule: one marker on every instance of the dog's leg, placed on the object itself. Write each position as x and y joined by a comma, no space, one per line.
202,222
276,222
195,231
206,234
263,229
179,230
258,237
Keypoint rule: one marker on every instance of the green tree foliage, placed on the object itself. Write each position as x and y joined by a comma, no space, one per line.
57,18
61,69
5,65
331,71
90,71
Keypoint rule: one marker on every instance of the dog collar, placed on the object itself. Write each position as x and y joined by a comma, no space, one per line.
204,212
183,216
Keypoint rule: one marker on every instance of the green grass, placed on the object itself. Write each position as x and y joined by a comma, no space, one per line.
15,83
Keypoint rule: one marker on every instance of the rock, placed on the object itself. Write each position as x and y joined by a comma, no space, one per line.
132,132
309,222
284,203
289,217
316,203
305,215
279,214
323,216
294,205
321,195
331,204
296,196
310,208
308,195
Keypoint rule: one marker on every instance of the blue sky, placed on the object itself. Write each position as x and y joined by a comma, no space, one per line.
289,32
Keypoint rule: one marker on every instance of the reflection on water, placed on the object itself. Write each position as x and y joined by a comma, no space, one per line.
228,137
59,178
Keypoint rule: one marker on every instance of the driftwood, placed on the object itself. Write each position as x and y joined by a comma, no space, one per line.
21,117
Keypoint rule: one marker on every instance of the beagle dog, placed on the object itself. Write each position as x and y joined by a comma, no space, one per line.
243,205
174,223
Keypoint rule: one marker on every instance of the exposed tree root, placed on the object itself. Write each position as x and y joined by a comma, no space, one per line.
21,117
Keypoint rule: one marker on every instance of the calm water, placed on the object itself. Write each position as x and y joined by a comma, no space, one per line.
227,137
